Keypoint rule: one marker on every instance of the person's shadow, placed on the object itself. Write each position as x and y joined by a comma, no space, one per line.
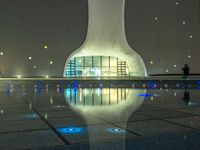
186,97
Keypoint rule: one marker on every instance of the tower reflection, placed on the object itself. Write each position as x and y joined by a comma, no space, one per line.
111,106
96,96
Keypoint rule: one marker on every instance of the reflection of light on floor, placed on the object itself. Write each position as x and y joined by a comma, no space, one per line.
58,106
192,104
51,100
60,81
32,116
7,92
67,92
45,116
115,130
85,92
98,91
30,106
1,111
145,95
71,130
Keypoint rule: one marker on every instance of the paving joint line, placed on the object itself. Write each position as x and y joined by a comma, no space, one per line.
134,133
156,118
178,111
50,126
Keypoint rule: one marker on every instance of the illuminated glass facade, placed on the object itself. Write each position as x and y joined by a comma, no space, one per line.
94,66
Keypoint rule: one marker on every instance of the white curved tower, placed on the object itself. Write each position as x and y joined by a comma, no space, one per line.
105,51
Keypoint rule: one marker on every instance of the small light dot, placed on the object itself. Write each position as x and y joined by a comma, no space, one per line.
46,116
47,76
184,22
29,58
191,36
156,18
185,137
51,62
151,62
19,76
189,56
1,53
175,66
152,98
45,47
34,67
166,70
116,130
177,3
2,111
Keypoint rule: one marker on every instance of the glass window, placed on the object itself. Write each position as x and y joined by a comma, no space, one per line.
97,61
105,61
91,66
79,62
113,61
105,71
79,71
88,61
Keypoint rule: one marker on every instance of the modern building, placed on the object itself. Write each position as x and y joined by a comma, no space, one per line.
105,51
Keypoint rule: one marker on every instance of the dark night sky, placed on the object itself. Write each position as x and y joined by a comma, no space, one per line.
163,32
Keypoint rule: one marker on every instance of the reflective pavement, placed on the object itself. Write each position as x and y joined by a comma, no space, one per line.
57,115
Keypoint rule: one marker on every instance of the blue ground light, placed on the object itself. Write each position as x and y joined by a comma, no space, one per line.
75,86
152,84
60,90
145,95
61,81
39,91
115,130
71,130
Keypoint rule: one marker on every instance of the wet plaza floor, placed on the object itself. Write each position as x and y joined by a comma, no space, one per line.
40,115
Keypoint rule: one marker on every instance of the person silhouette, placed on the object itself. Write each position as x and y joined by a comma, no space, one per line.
186,70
